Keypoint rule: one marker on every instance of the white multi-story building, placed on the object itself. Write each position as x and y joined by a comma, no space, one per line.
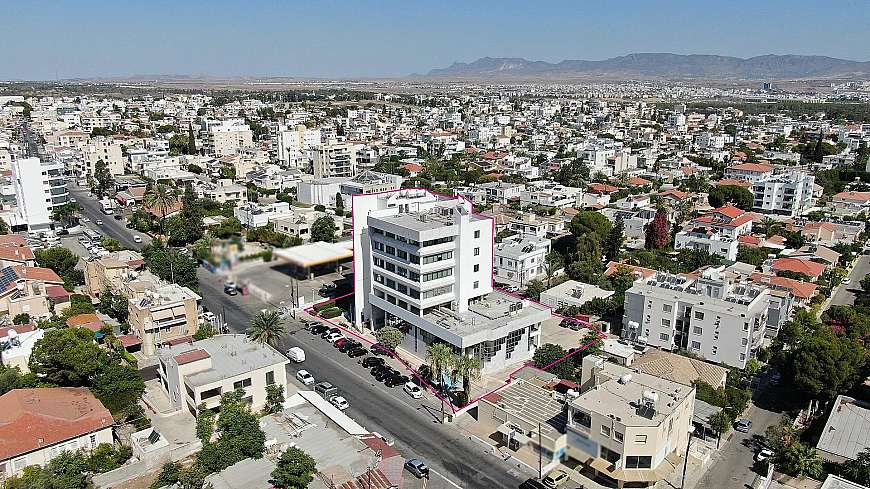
502,192
711,316
518,259
789,193
39,187
626,425
707,240
228,137
334,160
293,142
749,171
424,265
102,149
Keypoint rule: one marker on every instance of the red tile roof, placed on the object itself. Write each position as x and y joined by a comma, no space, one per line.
129,340
749,240
37,273
31,419
756,167
677,194
20,254
601,188
734,182
13,240
191,356
18,328
798,288
413,167
81,319
728,210
853,196
809,268
613,266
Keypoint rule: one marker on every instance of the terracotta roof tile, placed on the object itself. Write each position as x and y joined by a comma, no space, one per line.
192,356
806,267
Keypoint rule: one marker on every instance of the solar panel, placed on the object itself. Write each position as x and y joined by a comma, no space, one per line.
153,437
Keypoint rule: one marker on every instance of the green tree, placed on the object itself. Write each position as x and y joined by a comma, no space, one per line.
339,203
162,198
267,327
553,261
103,179
585,223
550,357
63,262
534,288
118,387
22,318
295,469
466,368
67,357
731,194
239,435
170,265
389,337
12,378
274,398
824,364
65,213
106,457
205,421
439,357
799,460
857,470
323,229
168,475
614,240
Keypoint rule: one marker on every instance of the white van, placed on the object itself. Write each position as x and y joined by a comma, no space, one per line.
296,354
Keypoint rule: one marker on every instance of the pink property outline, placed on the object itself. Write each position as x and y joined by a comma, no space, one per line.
310,310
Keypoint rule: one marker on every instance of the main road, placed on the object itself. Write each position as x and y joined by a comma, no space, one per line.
456,461
844,294
111,227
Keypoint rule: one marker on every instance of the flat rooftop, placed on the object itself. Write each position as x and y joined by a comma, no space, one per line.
231,355
623,400
488,312
847,432
534,404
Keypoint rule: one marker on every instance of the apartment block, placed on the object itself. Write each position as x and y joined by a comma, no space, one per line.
39,187
707,240
424,265
789,193
713,316
161,314
229,137
630,428
292,144
334,160
199,372
518,259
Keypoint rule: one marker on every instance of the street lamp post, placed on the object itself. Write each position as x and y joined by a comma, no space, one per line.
686,461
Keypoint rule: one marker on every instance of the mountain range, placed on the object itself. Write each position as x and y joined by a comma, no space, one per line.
663,65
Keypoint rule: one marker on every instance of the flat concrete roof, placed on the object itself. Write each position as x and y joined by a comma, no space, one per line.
490,311
847,432
317,253
231,355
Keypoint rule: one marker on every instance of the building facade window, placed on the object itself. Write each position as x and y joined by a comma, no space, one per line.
270,377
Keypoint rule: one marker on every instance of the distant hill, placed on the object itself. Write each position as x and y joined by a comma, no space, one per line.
663,65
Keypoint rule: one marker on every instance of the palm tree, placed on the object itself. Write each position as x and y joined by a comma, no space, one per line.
467,368
807,461
266,327
770,226
439,356
65,213
161,197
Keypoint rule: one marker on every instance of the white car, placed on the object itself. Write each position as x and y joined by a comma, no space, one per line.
847,281
332,338
85,219
763,454
340,403
413,390
99,222
137,238
304,377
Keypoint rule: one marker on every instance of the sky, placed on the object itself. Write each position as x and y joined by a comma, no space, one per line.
61,39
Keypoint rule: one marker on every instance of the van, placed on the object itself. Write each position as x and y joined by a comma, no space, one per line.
326,390
296,354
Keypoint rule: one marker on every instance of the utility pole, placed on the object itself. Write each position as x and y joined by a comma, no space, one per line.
686,461
540,454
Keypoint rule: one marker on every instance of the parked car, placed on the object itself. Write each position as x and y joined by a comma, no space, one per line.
417,467
847,281
118,217
319,329
333,337
743,425
304,377
329,331
326,390
532,484
396,380
339,343
99,222
296,354
379,349
385,374
137,238
357,352
230,288
369,362
555,478
763,454
413,390
340,403
349,345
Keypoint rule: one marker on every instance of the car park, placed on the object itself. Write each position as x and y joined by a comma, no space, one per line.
319,329
304,377
413,390
340,403
417,467
370,362
329,331
556,478
743,425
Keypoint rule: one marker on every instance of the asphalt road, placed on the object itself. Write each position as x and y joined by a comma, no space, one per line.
455,461
844,294
734,464
110,227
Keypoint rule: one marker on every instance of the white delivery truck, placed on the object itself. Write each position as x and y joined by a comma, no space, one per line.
296,354
108,205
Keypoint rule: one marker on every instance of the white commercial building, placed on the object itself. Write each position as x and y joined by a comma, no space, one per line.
293,142
710,316
572,293
789,193
228,137
707,240
424,265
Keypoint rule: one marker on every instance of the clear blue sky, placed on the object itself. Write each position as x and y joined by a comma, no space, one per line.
41,39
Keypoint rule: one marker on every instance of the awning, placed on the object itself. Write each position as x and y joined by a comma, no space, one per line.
179,311
161,314
318,253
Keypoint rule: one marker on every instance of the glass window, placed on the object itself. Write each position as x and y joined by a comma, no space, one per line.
476,251
270,377
638,462
696,345
697,330
664,336
666,322
583,419
605,430
476,234
241,384
667,308
640,439
476,268
699,315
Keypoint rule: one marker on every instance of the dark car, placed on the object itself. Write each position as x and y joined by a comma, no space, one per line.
533,484
379,349
329,332
318,329
62,232
357,352
417,467
369,362
396,380
385,374
349,345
